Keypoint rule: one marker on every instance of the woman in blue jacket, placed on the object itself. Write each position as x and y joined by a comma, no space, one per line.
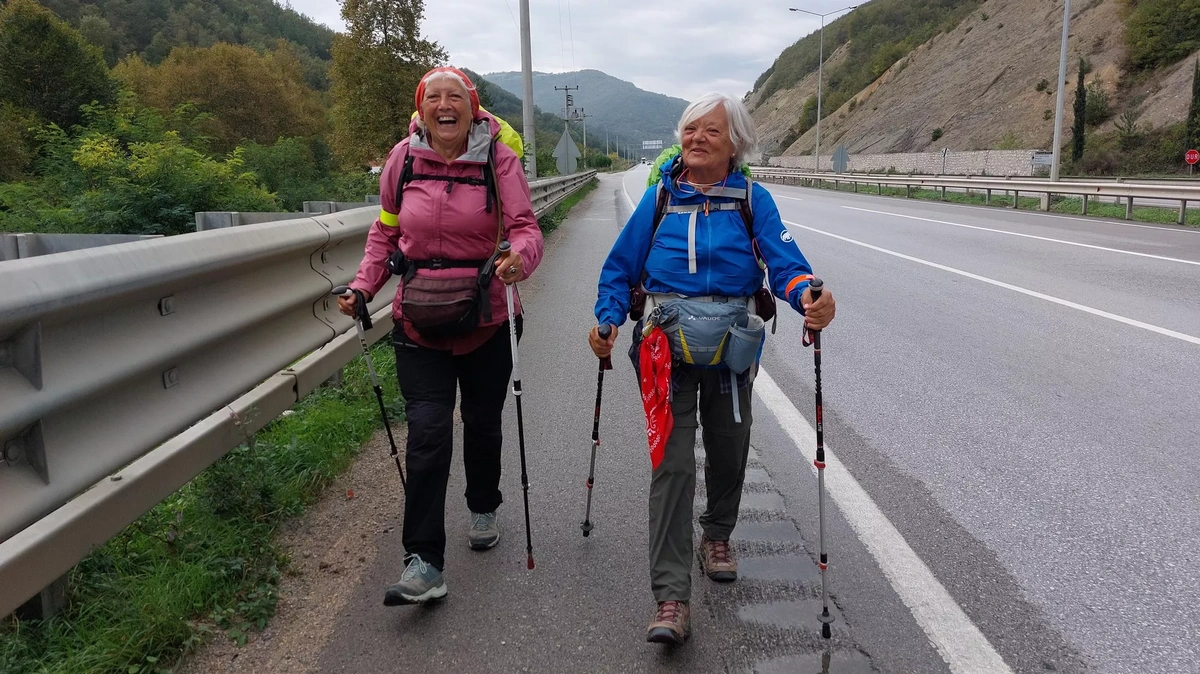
700,266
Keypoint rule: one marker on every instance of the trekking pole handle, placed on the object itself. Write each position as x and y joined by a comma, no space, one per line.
605,331
505,246
815,287
360,304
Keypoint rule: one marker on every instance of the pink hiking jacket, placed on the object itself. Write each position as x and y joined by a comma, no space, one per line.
441,220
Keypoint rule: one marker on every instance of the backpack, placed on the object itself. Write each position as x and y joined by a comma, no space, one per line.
764,301
441,308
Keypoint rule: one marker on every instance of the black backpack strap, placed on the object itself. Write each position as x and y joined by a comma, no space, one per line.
489,176
406,176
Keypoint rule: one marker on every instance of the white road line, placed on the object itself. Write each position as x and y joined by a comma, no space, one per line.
1027,236
1008,286
960,643
1000,211
784,196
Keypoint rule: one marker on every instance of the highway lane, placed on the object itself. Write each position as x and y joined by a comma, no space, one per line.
1062,441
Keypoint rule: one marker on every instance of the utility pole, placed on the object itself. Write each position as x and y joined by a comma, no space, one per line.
567,111
1062,82
527,100
583,116
820,77
570,101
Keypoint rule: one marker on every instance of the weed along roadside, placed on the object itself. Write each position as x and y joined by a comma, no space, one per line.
206,564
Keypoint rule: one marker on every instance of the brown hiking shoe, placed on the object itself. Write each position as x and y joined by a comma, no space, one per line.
718,560
672,623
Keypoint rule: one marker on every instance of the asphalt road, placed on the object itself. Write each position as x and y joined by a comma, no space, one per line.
1014,419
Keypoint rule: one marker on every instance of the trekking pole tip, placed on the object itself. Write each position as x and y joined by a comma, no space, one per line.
825,631
529,564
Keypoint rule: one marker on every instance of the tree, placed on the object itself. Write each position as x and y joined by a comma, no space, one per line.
1080,128
376,67
47,67
16,141
247,96
1192,139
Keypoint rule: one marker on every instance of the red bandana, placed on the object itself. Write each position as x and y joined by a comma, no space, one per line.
655,361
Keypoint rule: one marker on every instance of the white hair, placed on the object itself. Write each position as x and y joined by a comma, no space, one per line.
449,77
741,125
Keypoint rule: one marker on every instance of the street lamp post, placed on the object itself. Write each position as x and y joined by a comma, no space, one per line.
1062,81
820,68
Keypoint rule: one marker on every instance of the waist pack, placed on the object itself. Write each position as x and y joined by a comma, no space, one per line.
711,334
440,307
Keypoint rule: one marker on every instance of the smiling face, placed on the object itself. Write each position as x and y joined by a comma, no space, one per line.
446,110
707,145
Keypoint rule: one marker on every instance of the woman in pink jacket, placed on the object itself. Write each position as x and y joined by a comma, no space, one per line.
449,195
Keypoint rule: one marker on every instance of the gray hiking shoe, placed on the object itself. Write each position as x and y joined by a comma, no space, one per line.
485,531
420,583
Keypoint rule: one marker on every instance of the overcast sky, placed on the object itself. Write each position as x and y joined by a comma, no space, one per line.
676,47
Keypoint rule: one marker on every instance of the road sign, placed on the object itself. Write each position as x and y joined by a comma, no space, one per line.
566,155
652,144
1192,156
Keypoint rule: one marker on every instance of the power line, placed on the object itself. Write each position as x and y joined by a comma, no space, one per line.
562,46
571,28
514,16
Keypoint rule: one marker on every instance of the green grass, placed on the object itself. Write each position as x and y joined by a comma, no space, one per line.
1059,204
550,221
206,555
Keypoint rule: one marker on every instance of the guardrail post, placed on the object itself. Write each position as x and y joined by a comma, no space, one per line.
881,189
47,603
943,192
1183,211
1016,198
908,191
1046,202
856,187
1129,209
987,199
1085,204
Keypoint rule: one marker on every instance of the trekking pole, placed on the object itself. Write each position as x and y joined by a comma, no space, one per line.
605,364
363,323
516,379
815,288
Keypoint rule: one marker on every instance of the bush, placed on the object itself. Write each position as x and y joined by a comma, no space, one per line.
1010,141
1100,162
1048,113
937,133
1097,110
1043,84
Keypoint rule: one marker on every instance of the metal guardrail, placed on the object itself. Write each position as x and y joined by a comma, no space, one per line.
125,370
1086,189
548,192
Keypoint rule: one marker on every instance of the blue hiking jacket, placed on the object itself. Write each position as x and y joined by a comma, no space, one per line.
724,259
